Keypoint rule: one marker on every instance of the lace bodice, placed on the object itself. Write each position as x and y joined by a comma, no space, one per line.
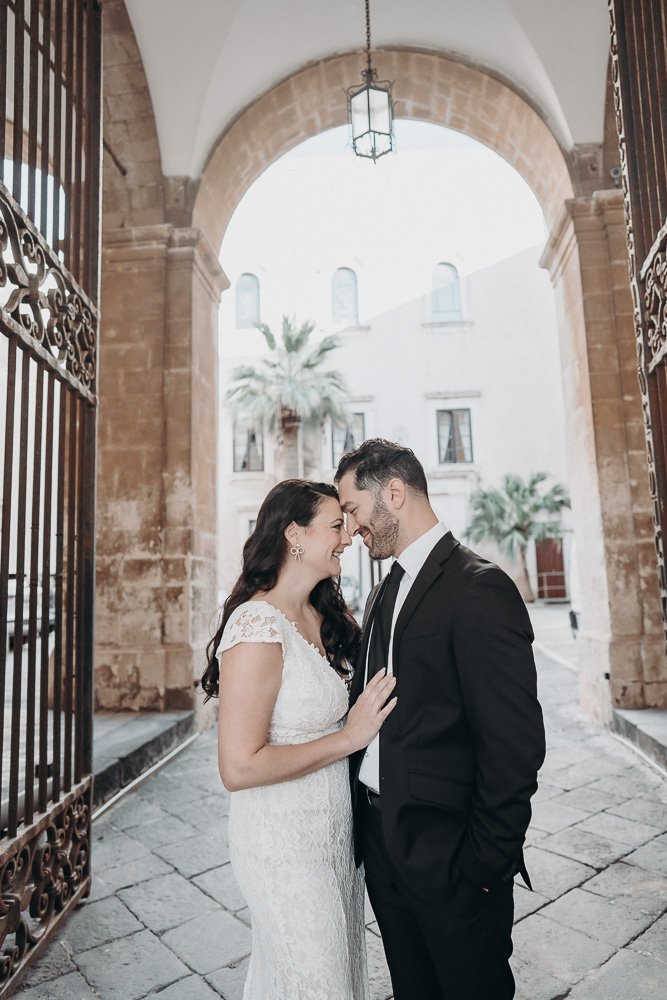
313,698
291,843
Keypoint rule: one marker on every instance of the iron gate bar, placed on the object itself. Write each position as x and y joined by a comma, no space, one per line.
6,525
86,680
32,105
12,824
17,133
93,215
46,118
78,602
77,138
69,117
3,90
70,605
29,781
57,124
46,600
58,652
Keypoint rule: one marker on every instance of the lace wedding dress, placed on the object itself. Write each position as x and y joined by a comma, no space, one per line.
291,843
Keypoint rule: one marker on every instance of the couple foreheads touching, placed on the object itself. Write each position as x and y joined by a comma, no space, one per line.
402,754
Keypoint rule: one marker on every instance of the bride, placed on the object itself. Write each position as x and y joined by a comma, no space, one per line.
286,642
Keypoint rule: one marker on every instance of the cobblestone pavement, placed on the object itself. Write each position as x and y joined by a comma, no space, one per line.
167,919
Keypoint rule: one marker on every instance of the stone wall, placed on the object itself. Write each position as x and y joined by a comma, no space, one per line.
161,284
621,652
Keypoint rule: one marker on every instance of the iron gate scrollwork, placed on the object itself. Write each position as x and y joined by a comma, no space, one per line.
639,75
50,137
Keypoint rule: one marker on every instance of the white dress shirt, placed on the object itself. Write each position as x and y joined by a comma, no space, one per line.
411,559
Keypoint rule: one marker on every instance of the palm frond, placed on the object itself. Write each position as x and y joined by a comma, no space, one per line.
515,514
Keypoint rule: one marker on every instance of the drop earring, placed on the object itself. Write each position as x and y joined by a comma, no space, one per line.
296,551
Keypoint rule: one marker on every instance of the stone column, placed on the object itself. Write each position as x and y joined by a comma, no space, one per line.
621,651
156,565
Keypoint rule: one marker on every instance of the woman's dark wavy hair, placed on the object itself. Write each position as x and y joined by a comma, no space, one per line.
264,553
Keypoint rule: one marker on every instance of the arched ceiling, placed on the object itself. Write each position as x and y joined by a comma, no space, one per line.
207,60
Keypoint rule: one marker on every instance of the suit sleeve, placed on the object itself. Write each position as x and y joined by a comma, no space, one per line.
492,638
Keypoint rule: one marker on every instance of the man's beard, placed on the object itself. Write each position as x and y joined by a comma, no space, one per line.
384,530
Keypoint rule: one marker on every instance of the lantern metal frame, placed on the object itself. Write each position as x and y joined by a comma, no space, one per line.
370,84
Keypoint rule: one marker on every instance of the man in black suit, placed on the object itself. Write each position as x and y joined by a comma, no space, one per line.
441,797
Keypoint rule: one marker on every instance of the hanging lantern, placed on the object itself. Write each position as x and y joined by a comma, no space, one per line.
370,109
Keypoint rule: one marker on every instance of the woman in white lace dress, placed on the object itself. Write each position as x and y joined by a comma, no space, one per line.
286,642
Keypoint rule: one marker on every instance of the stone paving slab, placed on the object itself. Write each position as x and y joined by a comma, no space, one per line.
210,942
653,942
69,987
619,829
604,919
166,902
195,854
652,857
535,984
229,982
131,968
222,886
635,887
587,848
552,875
562,952
626,976
99,923
192,988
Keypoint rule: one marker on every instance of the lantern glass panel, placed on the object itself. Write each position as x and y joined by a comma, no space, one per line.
359,113
380,116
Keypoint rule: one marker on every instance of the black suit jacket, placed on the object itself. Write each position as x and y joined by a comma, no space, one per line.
459,755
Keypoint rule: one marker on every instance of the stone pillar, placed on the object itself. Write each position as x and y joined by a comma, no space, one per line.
621,651
156,564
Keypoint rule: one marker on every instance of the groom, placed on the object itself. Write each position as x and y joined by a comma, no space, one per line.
441,797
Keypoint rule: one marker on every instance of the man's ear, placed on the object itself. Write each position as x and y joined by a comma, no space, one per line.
394,493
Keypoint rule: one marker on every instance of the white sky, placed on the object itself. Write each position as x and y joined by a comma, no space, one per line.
441,197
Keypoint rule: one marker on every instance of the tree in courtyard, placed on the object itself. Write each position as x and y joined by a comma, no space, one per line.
517,513
288,390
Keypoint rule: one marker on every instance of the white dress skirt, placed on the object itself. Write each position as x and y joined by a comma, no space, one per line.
291,843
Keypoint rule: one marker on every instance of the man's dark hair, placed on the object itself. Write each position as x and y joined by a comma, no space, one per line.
376,461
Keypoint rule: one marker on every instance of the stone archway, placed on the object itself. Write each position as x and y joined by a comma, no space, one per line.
621,655
427,87
165,243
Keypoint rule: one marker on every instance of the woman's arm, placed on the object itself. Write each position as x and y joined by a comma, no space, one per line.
250,675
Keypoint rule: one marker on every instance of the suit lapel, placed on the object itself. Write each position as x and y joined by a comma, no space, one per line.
429,572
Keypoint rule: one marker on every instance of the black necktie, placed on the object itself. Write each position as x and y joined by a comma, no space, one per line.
378,650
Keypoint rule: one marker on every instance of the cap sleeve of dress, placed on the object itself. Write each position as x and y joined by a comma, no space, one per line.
254,621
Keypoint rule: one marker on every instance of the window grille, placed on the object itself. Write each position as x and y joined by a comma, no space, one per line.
247,301
347,437
454,436
446,294
344,297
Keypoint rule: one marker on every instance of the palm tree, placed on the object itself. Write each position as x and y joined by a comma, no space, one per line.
515,514
289,389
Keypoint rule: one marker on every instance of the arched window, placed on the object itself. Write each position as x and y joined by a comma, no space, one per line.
344,300
247,301
446,295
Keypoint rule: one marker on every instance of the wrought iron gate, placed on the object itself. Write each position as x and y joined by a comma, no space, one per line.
639,72
49,274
